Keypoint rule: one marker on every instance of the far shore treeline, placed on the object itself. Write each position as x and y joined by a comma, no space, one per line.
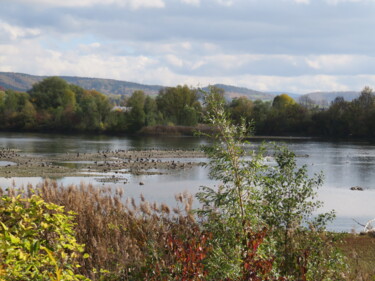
53,105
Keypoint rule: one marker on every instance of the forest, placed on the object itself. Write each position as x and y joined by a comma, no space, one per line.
53,105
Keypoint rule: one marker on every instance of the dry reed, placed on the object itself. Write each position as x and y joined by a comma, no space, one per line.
125,240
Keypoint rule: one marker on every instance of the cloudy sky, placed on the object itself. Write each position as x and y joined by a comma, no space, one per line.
296,46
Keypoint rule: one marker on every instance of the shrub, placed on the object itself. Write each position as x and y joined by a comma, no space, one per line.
253,195
37,241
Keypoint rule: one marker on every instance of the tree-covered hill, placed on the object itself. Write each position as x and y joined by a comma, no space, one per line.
24,82
236,92
328,97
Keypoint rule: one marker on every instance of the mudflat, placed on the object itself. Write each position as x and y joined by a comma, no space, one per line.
108,164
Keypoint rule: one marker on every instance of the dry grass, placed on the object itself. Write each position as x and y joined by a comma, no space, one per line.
131,240
360,251
122,237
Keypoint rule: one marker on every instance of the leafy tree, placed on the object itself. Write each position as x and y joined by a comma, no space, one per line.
150,108
286,116
93,110
282,101
288,209
175,102
260,112
231,212
137,115
252,195
16,107
240,108
49,93
216,97
339,118
28,116
117,121
360,112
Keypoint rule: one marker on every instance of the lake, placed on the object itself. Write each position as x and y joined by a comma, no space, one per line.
344,164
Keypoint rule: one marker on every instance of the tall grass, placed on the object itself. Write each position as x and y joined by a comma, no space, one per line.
125,240
129,240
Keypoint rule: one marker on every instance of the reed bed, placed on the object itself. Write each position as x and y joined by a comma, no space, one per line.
125,240
129,239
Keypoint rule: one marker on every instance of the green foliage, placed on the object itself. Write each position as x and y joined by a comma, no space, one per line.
53,104
241,108
137,115
282,101
49,93
288,210
37,241
177,103
150,108
253,195
231,212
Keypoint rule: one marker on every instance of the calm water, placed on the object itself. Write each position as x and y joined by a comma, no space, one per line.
344,164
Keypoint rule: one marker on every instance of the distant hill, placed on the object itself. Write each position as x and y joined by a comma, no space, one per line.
327,97
23,82
292,95
18,81
235,92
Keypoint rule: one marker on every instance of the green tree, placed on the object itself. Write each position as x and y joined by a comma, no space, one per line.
93,109
16,107
287,117
240,108
338,117
282,101
49,93
230,212
175,103
150,108
137,115
28,116
288,209
260,113
360,112
253,195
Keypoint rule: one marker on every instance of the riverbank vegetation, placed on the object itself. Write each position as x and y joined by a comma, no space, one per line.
55,105
114,238
261,223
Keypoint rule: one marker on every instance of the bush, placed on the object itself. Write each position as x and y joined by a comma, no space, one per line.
37,241
254,196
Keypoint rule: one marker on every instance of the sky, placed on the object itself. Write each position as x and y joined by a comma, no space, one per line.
295,46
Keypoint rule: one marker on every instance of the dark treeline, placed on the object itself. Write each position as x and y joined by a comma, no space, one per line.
55,105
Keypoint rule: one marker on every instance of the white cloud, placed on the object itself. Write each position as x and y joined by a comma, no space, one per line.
266,45
302,1
336,2
192,2
226,3
133,4
142,69
174,60
331,62
13,32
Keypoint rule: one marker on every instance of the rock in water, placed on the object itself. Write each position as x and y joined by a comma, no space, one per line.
356,188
